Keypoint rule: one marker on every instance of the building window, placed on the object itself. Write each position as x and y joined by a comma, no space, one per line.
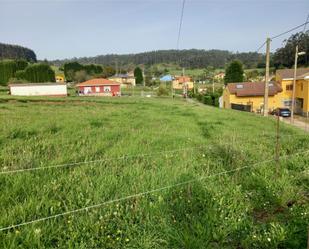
287,103
107,88
289,87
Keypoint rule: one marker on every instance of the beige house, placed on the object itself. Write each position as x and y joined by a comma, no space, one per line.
126,80
180,82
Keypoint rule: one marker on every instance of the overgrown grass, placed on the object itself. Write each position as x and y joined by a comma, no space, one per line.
255,207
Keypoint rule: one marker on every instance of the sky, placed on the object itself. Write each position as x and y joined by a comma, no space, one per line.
58,29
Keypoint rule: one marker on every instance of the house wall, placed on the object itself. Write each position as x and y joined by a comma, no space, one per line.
124,81
301,91
59,78
99,90
39,90
179,86
257,102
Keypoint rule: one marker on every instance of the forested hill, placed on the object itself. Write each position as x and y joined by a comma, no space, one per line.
192,58
8,51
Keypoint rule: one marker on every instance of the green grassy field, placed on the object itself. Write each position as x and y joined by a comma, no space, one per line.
118,147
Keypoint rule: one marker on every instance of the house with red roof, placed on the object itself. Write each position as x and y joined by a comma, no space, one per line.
99,87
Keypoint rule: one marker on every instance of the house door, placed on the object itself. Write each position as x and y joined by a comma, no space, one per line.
299,105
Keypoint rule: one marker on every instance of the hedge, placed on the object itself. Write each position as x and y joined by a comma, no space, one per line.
8,69
37,73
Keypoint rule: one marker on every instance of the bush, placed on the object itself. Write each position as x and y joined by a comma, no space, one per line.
207,100
162,91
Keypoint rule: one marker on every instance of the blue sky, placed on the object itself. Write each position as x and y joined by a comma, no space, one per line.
57,29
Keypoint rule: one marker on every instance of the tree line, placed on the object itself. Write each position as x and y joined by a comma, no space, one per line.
8,51
192,58
200,58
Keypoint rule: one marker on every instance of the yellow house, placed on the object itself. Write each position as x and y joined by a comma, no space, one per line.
59,78
180,82
125,80
286,77
249,96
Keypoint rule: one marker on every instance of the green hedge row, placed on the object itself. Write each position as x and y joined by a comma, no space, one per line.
37,73
8,69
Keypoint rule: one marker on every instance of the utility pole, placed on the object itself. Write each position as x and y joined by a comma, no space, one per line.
265,111
294,84
117,67
144,81
213,85
294,81
183,71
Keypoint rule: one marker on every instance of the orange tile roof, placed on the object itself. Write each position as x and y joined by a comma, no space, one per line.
183,79
98,82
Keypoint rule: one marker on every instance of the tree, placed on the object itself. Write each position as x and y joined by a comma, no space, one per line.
284,57
234,72
81,76
70,68
108,71
15,52
138,74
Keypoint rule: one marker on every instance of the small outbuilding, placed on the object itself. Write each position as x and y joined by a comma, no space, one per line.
99,87
38,89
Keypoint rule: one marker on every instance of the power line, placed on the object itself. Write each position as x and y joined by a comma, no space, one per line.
288,31
180,24
140,194
306,23
261,47
283,33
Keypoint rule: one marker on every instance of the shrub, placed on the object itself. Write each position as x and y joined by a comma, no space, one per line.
207,100
162,91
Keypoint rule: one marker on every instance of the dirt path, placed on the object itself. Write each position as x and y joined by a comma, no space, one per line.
297,123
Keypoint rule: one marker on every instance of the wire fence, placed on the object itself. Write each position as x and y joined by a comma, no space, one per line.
235,136
141,194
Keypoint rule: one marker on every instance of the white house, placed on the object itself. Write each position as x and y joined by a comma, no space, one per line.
38,89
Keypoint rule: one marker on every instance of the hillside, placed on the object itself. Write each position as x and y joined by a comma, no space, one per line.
192,58
8,51
147,173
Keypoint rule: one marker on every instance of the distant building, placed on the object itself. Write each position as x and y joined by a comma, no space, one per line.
125,80
181,82
59,78
167,78
99,87
219,76
38,89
